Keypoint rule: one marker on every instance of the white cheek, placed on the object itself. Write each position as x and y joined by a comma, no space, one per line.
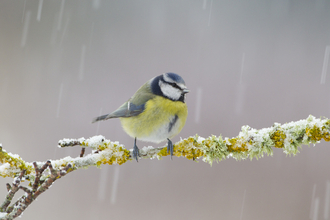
170,91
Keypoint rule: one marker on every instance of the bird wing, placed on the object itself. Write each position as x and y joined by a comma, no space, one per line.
133,107
128,109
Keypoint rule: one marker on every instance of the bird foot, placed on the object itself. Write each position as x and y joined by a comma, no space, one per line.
136,152
170,147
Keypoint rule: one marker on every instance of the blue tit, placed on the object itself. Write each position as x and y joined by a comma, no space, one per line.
155,113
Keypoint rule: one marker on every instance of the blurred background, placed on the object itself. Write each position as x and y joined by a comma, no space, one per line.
254,63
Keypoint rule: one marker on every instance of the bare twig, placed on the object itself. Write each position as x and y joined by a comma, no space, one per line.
8,186
82,152
69,142
38,187
38,174
55,174
25,189
12,191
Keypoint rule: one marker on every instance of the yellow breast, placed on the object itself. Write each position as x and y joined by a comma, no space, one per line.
154,123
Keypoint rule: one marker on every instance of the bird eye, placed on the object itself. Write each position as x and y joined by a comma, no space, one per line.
175,85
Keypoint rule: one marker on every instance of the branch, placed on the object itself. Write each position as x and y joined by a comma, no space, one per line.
39,186
250,143
12,191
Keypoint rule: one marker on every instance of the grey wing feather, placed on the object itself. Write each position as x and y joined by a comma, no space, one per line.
100,118
128,109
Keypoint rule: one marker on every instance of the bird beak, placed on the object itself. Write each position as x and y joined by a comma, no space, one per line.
185,91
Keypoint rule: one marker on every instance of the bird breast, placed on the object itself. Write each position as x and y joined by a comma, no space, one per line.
161,119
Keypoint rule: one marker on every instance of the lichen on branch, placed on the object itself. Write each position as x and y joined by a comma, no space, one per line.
250,143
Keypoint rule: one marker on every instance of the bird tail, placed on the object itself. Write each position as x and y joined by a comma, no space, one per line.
101,118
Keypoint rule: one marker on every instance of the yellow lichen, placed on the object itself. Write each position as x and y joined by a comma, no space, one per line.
188,148
163,152
236,145
278,138
124,157
185,148
314,133
326,136
16,162
116,159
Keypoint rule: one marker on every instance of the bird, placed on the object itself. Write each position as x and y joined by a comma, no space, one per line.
155,113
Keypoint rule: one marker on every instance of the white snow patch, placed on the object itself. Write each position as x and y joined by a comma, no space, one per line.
147,148
200,139
14,155
65,141
3,214
95,141
4,168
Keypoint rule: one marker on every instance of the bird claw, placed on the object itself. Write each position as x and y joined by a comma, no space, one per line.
170,147
136,152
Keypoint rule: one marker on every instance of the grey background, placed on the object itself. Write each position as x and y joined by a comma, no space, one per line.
246,62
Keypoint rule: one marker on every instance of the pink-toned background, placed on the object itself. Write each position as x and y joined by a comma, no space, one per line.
246,62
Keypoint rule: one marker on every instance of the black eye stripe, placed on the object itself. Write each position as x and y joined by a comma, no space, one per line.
174,85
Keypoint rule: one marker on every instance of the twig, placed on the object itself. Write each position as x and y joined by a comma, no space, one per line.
82,152
12,191
8,186
38,187
38,174
69,142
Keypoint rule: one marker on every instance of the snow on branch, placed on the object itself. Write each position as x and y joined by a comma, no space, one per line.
250,143
37,186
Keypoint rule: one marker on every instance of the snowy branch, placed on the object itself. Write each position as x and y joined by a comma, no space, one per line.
38,186
250,143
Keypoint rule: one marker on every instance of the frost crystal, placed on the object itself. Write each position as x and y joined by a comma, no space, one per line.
95,141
